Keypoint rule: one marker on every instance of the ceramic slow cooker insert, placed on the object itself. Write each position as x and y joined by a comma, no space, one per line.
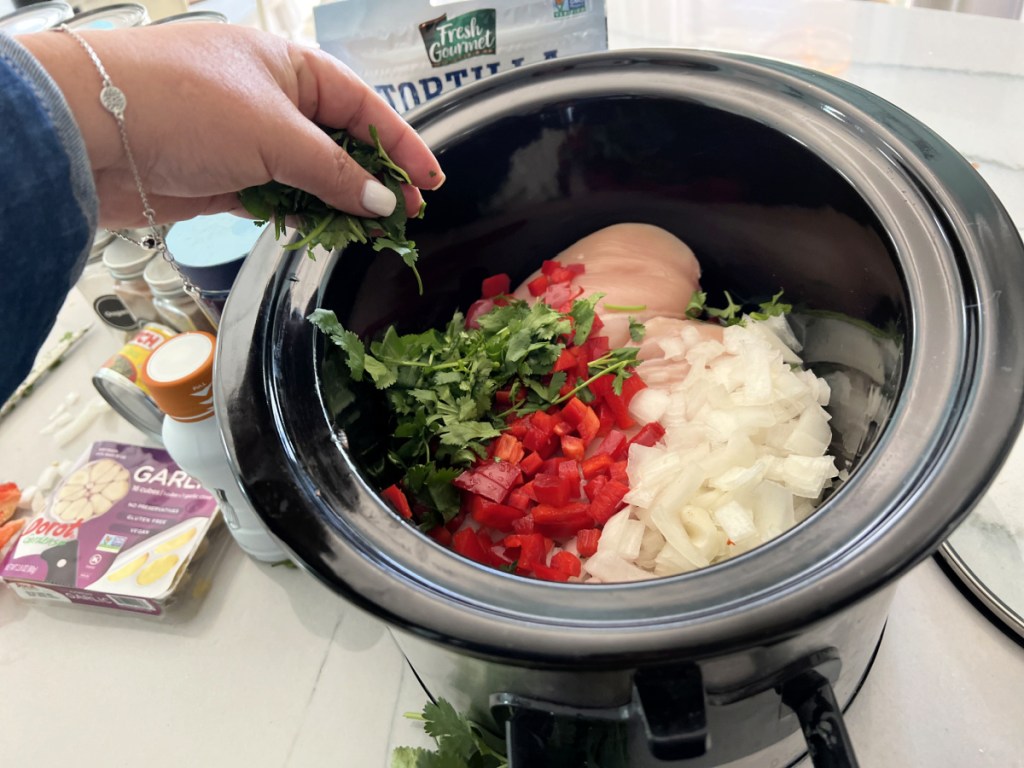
778,178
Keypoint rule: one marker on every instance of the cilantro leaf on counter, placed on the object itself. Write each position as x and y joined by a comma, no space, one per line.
320,224
460,742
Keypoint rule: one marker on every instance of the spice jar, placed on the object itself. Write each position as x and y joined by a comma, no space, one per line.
96,285
173,305
210,250
127,263
35,17
119,16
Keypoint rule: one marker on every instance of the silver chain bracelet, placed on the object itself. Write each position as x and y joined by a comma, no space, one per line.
114,101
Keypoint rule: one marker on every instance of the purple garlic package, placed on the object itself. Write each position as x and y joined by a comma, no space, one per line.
127,529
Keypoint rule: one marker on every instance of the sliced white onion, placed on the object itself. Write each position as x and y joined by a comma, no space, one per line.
744,457
609,567
622,535
649,405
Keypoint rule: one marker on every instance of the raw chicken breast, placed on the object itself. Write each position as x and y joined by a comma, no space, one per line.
633,265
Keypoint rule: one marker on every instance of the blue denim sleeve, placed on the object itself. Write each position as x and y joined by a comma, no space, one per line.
48,208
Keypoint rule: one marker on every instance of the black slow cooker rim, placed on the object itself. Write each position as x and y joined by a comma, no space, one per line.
443,614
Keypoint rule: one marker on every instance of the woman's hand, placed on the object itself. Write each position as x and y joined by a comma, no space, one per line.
214,108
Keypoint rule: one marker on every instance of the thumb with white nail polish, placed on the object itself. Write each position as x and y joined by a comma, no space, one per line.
378,199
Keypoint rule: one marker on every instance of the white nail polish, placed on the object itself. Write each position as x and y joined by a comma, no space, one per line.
378,199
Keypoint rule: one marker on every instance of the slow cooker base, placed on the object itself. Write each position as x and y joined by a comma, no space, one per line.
758,759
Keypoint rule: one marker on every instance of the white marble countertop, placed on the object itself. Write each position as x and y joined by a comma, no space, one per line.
275,671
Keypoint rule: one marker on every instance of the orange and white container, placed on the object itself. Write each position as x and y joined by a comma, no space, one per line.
179,376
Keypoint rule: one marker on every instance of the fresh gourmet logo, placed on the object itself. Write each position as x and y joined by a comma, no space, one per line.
462,37
565,8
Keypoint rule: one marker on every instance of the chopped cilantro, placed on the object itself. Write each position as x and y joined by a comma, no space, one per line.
733,313
695,308
320,224
636,330
772,308
439,386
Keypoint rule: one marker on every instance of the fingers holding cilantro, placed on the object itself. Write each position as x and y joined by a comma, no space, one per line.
318,223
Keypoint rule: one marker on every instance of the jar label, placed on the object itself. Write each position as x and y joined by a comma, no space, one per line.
114,313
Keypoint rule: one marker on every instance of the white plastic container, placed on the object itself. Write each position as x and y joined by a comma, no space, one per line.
179,375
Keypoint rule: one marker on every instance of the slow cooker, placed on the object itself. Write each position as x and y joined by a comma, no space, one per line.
907,275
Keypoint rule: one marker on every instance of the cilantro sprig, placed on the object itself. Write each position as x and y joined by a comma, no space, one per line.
440,385
320,224
734,313
461,743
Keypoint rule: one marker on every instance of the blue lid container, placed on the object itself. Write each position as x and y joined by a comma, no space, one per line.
209,251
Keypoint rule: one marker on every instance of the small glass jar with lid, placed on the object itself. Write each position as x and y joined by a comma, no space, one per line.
175,307
127,263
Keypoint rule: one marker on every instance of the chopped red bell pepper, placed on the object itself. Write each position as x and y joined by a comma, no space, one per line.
491,479
561,521
533,548
519,499
441,535
538,285
586,541
596,347
523,525
605,416
608,501
467,543
596,465
517,426
583,418
615,444
539,441
552,489
496,285
396,497
619,471
604,389
566,360
573,447
531,463
547,573
570,471
527,489
497,516
567,563
595,485
648,435
559,296
561,275
549,266
550,466
507,448
631,386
